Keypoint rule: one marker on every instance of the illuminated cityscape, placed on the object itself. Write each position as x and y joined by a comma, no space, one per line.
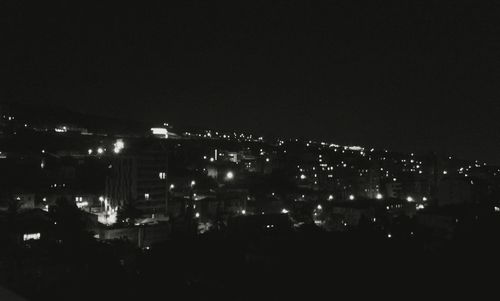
153,188
248,151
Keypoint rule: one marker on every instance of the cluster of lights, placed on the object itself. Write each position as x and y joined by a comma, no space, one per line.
208,134
118,146
62,129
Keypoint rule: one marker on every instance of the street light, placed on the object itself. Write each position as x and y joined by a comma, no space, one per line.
229,175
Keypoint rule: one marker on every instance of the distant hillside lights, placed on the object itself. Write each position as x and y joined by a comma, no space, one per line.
160,132
118,146
62,129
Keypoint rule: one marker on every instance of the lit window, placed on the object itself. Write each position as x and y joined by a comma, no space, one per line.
146,196
29,236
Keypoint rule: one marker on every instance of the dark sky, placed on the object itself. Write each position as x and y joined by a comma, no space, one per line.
409,75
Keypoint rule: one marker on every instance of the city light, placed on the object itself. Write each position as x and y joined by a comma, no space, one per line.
197,215
31,236
82,204
409,199
379,196
302,177
284,211
120,144
351,197
229,175
100,150
160,132
193,182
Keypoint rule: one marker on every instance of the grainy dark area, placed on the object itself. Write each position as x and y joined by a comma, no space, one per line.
248,150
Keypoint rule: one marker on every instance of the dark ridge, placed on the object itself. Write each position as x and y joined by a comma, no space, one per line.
52,116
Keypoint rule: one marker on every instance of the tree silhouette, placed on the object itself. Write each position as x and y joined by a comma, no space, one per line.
69,222
127,214
13,207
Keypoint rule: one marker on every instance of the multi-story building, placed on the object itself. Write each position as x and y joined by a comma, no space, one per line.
139,177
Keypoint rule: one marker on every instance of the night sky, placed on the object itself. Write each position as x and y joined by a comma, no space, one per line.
411,76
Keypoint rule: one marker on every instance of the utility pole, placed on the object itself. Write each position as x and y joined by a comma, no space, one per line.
167,187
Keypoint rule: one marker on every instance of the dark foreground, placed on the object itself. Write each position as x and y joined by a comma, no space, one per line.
302,264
